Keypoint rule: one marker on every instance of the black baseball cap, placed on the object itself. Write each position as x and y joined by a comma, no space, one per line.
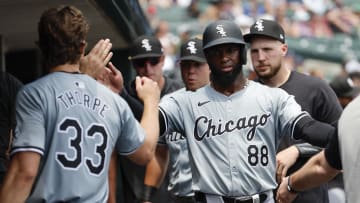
267,28
146,47
192,50
344,87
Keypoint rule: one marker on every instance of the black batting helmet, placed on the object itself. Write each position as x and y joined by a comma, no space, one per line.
224,32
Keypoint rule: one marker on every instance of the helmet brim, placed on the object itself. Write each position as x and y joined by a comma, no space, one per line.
227,40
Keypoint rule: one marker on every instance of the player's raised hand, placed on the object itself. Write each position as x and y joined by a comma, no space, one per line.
283,195
284,160
95,61
112,78
147,89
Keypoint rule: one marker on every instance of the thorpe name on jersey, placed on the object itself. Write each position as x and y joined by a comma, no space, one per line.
73,98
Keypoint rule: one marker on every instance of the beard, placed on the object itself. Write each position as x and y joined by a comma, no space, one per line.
268,75
224,79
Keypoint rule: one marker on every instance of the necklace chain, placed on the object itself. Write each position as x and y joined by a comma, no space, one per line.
246,83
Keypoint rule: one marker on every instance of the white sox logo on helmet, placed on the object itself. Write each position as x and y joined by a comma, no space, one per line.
259,25
145,43
221,30
191,47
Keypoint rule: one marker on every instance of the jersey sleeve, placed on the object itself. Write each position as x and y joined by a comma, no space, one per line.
30,129
132,134
170,109
288,112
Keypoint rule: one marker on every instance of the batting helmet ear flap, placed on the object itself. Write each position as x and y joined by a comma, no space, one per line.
243,55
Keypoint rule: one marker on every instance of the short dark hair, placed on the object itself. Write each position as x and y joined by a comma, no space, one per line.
62,31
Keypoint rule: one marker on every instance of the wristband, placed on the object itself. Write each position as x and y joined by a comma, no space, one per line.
289,188
148,192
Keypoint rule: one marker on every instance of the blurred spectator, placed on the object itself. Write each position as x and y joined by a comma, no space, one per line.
355,77
343,19
258,9
169,42
193,9
319,26
317,73
218,9
352,65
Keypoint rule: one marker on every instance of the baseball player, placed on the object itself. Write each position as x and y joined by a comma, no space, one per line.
235,124
267,51
341,153
195,73
147,58
68,124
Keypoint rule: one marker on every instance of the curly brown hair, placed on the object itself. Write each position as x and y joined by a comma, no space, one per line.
62,32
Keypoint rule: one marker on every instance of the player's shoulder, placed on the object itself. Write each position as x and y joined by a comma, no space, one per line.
173,94
172,84
260,90
257,86
307,80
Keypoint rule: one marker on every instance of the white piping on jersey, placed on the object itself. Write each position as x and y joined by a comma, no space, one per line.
302,115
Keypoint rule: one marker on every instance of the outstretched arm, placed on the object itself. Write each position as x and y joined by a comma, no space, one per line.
315,172
20,177
155,172
149,93
314,132
286,158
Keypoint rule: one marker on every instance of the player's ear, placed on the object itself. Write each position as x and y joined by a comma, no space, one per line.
284,49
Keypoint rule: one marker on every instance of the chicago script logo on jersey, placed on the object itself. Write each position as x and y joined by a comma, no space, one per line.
205,127
202,103
175,137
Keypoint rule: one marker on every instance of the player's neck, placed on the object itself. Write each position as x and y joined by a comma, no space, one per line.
240,83
69,68
279,79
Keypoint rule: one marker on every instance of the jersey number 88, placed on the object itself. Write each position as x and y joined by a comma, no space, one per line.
254,155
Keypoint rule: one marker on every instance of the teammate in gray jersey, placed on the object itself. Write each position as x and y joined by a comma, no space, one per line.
68,124
236,124
195,73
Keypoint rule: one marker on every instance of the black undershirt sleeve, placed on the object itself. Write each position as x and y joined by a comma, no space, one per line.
332,153
313,132
135,105
137,108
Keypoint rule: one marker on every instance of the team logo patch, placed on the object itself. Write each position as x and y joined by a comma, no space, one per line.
202,103
191,47
259,25
221,31
281,36
145,43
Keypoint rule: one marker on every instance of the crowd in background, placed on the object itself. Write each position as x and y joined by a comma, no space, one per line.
324,19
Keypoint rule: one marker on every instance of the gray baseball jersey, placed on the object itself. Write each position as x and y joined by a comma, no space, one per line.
234,138
349,147
74,123
179,170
